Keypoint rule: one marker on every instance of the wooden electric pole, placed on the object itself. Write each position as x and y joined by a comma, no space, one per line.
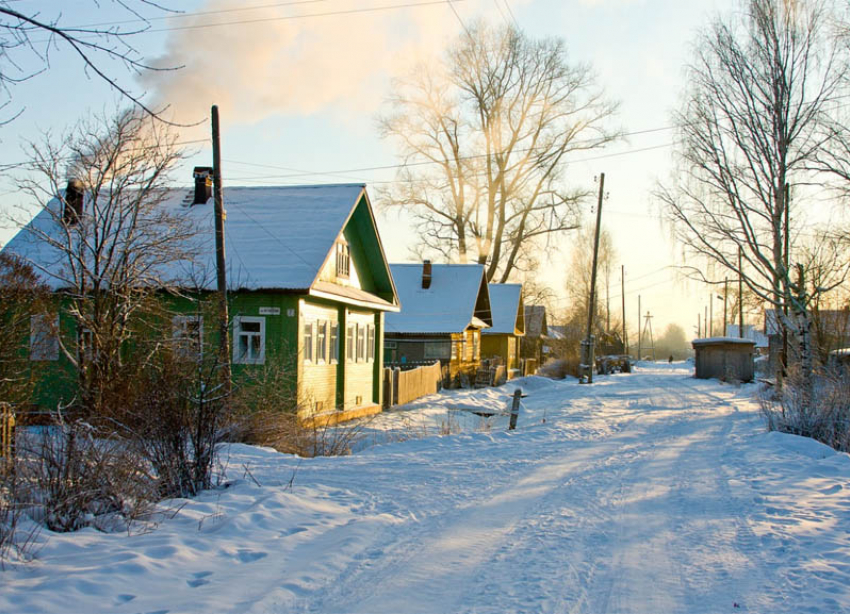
725,302
589,358
786,292
623,295
220,263
638,354
740,293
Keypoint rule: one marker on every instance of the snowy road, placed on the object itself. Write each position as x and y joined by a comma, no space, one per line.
644,493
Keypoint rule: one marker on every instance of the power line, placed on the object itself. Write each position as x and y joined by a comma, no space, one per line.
511,13
373,9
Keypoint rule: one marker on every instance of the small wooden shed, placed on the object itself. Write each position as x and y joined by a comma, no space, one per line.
724,358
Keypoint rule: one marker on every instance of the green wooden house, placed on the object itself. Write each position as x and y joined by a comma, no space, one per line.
501,341
308,281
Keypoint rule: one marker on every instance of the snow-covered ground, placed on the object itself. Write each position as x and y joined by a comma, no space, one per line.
650,492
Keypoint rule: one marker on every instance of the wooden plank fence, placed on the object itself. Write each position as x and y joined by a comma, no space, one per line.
402,387
7,435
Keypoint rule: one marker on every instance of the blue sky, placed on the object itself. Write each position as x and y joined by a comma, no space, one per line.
303,93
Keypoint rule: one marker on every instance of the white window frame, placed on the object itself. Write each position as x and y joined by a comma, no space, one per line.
44,337
308,339
322,342
333,341
370,343
361,343
179,327
343,259
237,333
351,342
85,341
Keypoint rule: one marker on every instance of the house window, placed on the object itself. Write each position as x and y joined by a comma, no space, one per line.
85,345
361,343
437,350
44,337
351,336
188,335
370,343
343,259
249,340
334,341
475,352
322,341
309,355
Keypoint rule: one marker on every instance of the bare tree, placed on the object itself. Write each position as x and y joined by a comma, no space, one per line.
485,136
754,119
30,32
104,242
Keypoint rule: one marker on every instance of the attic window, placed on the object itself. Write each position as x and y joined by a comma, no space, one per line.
343,259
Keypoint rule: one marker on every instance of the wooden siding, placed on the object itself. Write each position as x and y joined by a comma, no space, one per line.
317,380
502,346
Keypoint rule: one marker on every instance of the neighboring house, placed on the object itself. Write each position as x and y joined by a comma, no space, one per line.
309,285
445,308
830,331
750,332
536,333
503,338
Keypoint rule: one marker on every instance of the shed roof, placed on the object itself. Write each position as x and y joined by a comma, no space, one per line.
507,309
458,295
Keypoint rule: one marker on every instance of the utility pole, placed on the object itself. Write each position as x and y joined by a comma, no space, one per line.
740,293
592,303
705,324
785,283
725,303
220,264
638,354
699,325
711,314
623,295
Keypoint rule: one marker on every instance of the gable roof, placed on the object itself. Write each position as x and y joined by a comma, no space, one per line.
508,313
276,238
457,299
535,321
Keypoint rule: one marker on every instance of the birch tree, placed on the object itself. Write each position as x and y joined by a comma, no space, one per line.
755,118
484,137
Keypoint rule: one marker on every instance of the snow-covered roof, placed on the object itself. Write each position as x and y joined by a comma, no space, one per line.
719,340
275,237
506,306
457,296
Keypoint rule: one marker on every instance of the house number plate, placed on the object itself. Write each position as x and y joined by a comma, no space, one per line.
269,311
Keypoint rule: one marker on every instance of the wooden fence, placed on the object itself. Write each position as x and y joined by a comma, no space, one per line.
7,435
402,387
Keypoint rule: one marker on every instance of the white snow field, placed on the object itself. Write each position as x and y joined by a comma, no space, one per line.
651,492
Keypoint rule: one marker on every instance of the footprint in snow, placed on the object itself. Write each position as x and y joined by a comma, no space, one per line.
249,556
200,579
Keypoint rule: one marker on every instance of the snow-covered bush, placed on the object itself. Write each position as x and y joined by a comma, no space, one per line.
820,411
559,368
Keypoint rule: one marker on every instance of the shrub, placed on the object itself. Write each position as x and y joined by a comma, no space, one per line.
820,410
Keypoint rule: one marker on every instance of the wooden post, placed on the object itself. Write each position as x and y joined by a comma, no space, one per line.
515,408
740,294
7,436
592,302
623,296
725,303
220,263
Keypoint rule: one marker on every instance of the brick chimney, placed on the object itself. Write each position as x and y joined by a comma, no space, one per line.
203,184
426,274
74,196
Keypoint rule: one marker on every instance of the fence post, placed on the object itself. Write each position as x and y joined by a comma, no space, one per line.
515,408
396,385
7,435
